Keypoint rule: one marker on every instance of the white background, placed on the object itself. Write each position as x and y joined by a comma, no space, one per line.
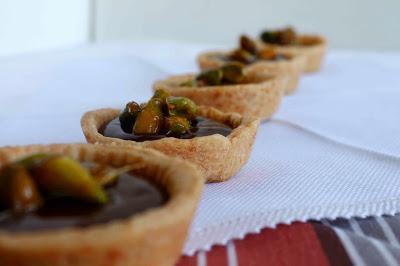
347,23
27,25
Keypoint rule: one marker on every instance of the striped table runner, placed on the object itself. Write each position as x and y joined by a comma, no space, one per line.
367,241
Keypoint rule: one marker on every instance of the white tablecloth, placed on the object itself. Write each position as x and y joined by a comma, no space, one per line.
332,150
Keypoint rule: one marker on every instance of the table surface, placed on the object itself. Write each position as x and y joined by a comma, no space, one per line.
367,241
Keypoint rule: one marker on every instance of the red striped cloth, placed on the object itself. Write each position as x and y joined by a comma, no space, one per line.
305,244
355,241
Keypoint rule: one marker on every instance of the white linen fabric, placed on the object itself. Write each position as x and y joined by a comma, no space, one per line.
332,150
354,99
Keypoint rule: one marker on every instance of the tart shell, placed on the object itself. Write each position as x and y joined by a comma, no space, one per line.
152,237
217,157
260,97
291,67
313,48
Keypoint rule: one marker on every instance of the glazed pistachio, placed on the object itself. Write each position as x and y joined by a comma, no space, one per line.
154,116
247,44
63,176
106,175
18,190
287,36
189,83
177,125
34,159
242,56
232,73
284,36
269,37
128,116
210,77
161,94
181,106
150,119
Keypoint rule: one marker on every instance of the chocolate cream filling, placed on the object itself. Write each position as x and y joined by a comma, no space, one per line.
203,127
128,196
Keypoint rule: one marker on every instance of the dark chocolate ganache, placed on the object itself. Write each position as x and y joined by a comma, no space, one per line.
203,127
128,196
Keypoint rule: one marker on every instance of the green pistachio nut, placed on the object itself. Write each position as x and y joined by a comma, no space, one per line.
63,176
34,159
232,73
269,37
284,36
189,83
181,106
242,56
177,125
18,190
161,94
247,44
106,175
150,120
128,116
210,77
287,36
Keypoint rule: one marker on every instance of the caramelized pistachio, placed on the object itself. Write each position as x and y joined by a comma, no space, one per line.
33,160
210,77
248,44
18,190
128,116
284,36
161,94
232,73
63,176
269,36
189,83
242,56
106,175
150,120
181,106
287,36
267,54
177,125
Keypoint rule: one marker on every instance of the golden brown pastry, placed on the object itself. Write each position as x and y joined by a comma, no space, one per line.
257,94
218,143
154,236
256,60
312,47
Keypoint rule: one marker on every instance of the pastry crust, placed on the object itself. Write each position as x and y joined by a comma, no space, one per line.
217,157
260,97
152,237
313,48
291,67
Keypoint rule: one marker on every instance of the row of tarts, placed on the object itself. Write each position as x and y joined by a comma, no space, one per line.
129,197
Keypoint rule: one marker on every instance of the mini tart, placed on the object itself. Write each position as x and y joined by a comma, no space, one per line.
217,157
291,67
312,47
260,97
152,237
